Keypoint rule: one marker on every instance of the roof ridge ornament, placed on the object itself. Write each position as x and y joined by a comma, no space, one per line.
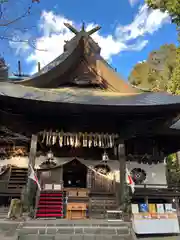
75,31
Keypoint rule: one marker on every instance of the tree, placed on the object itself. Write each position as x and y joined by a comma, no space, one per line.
5,21
173,170
154,73
138,76
174,85
172,6
169,76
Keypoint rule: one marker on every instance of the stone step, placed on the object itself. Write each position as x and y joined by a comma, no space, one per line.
72,237
75,233
17,181
15,186
18,174
19,169
2,237
65,229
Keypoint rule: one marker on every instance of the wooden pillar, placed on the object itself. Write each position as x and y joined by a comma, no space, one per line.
146,200
19,68
33,149
122,168
177,204
178,158
39,67
32,157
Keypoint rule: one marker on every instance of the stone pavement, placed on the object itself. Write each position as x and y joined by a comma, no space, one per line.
65,230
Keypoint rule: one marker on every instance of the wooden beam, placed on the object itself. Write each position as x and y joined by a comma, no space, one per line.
71,28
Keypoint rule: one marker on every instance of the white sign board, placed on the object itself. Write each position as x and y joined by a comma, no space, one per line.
48,187
57,187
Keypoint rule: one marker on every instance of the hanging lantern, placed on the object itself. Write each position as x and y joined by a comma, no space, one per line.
105,157
49,163
50,155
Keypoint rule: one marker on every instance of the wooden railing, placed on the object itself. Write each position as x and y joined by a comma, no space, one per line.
4,187
159,186
157,190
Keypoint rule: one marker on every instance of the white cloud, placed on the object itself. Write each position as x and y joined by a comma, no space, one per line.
54,33
20,42
147,21
133,2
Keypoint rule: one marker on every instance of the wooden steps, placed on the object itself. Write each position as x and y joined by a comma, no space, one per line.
18,178
50,205
99,205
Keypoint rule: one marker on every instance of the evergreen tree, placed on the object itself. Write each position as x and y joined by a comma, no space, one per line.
154,73
172,6
174,85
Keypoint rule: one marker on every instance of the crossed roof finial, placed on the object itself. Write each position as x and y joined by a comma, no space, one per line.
75,31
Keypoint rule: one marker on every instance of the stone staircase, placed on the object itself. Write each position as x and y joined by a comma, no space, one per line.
66,230
76,230
3,212
98,205
18,178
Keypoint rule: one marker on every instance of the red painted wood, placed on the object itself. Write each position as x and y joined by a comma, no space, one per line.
49,215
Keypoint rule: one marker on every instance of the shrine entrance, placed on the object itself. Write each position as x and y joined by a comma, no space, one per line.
74,174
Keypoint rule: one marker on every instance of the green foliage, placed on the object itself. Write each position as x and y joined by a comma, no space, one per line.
138,74
155,73
172,6
173,170
174,85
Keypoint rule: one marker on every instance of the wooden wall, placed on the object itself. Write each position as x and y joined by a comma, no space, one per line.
52,176
95,182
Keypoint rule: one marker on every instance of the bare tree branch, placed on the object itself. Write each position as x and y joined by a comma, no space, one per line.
5,24
30,43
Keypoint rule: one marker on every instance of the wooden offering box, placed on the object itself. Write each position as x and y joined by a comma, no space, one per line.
83,192
76,210
71,192
77,192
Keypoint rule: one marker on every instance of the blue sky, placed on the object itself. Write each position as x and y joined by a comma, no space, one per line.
129,31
